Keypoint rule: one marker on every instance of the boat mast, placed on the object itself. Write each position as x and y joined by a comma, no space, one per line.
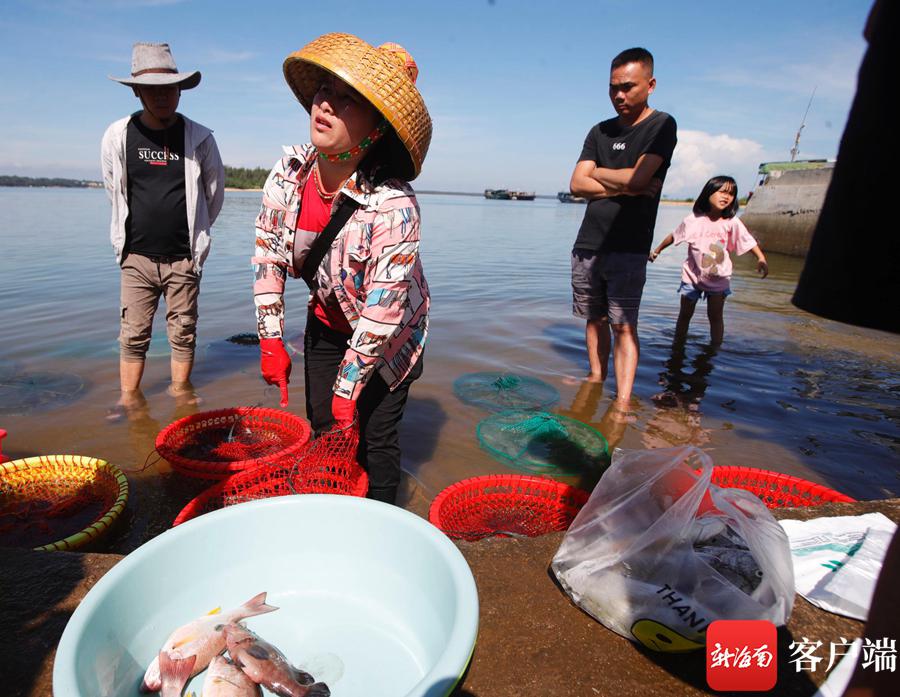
796,149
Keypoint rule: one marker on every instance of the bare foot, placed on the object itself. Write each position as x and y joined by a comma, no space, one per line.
131,405
621,416
184,394
621,412
590,377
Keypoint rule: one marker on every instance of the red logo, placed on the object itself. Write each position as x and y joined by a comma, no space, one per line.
741,655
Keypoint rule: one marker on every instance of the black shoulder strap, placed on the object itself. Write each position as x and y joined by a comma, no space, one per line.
325,238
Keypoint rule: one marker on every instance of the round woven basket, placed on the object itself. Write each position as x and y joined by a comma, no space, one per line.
507,505
71,495
267,481
777,490
217,444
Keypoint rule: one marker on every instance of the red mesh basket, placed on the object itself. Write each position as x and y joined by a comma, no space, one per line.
268,481
216,444
777,490
505,505
328,466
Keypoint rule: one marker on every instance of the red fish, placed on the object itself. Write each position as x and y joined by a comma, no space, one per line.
174,673
202,638
225,679
267,666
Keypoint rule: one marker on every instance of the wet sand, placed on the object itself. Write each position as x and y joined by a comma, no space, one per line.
532,640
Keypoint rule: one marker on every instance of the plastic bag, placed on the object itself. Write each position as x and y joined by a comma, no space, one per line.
658,553
837,560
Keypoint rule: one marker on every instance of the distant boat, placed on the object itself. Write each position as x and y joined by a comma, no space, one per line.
568,197
784,207
509,195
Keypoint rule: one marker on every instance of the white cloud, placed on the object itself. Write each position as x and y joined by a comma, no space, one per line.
831,72
700,155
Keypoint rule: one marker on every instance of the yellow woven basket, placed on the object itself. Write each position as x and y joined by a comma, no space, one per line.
35,487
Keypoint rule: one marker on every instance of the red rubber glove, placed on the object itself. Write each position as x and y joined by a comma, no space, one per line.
275,365
343,410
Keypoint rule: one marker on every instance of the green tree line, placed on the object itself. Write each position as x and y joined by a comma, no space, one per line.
15,180
245,177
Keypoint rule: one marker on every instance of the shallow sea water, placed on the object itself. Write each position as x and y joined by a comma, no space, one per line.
788,391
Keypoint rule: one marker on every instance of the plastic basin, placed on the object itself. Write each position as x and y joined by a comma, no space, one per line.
373,598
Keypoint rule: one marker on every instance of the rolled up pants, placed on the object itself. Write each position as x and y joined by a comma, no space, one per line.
379,410
144,280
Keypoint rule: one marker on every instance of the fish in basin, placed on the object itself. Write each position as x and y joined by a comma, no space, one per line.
267,666
202,638
174,673
225,679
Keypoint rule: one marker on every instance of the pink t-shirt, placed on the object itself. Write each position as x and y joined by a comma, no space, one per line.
708,266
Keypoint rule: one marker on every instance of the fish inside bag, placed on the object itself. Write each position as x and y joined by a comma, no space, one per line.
658,552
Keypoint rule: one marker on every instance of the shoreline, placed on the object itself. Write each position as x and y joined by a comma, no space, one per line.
424,192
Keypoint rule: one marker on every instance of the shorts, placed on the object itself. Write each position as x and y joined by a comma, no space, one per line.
144,280
608,285
692,292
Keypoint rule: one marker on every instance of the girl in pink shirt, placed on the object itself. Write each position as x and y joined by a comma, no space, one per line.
711,232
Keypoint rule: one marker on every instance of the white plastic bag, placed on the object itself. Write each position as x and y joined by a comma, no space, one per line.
657,552
837,560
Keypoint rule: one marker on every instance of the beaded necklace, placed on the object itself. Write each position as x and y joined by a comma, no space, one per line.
323,193
365,143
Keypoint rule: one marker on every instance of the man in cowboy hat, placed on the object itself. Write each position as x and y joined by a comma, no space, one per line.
164,178
620,171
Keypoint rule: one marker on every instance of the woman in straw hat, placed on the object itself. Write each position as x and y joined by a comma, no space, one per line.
339,213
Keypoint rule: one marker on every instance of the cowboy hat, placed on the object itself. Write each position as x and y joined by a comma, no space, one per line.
152,64
385,76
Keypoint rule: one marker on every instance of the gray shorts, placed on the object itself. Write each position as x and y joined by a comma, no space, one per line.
144,280
608,285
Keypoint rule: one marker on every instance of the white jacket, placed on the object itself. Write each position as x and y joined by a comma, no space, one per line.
204,181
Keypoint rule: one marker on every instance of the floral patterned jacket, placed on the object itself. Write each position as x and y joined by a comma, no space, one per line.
373,267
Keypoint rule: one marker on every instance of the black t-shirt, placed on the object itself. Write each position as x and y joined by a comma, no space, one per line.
625,223
157,206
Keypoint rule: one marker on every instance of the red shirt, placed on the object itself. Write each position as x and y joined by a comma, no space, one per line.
315,212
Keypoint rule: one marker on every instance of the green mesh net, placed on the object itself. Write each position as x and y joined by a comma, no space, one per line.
543,443
21,393
503,391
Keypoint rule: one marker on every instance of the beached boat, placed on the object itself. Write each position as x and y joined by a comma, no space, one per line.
509,195
785,205
569,197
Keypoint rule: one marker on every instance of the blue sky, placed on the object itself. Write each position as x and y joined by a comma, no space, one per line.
512,87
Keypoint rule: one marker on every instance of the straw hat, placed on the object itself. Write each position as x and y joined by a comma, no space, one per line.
152,65
385,76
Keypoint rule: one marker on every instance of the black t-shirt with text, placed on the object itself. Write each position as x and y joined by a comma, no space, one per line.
157,206
625,223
